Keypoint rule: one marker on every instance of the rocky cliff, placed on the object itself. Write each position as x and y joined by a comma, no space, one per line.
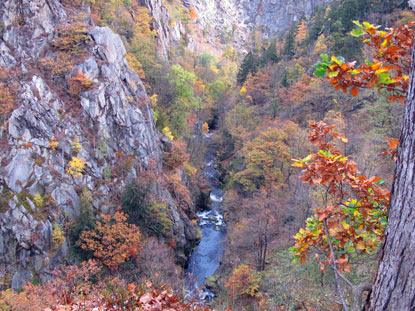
75,120
220,23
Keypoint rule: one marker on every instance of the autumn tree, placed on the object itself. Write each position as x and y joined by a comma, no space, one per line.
71,285
243,281
114,241
267,159
256,227
79,83
258,87
352,216
393,288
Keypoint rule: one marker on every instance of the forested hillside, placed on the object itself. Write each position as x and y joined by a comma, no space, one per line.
135,133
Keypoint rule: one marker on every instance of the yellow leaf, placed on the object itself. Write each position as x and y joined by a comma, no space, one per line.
297,164
345,225
360,245
242,91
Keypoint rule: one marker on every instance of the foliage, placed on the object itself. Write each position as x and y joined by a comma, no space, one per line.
249,66
289,47
266,159
182,80
177,156
84,222
7,100
79,83
257,88
76,166
251,236
71,37
241,121
70,287
353,216
38,200
178,190
166,132
150,214
80,288
205,128
184,102
389,70
76,145
113,241
58,238
53,144
244,281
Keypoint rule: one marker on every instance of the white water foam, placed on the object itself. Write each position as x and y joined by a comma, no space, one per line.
215,197
211,218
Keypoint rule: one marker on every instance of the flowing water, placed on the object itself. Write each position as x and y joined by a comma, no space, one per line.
205,258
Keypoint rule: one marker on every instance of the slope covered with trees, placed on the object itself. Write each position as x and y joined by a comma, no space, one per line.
302,121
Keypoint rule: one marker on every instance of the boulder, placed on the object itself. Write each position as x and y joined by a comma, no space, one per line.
20,278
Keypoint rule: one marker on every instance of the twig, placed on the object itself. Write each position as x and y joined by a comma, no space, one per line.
332,260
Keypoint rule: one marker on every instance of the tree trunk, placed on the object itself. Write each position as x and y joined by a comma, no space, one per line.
394,288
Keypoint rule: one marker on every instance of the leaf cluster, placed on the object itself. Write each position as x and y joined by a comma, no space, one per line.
389,70
354,207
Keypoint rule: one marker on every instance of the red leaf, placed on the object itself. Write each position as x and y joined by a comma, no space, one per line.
354,91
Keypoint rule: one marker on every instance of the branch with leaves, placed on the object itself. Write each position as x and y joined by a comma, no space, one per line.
389,69
353,216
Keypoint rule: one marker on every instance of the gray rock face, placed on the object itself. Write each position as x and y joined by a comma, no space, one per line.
110,126
235,20
20,278
167,34
19,170
230,21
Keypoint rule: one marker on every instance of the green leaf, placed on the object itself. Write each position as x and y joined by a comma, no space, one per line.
324,57
379,182
320,72
333,74
384,78
367,25
357,32
295,259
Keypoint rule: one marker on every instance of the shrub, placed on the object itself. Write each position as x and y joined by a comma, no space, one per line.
84,222
38,200
113,241
76,165
79,83
71,37
58,238
177,155
150,215
243,281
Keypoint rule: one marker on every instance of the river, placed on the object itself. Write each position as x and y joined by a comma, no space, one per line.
205,258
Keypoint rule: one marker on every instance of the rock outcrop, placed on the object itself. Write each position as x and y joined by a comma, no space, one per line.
167,33
223,23
97,113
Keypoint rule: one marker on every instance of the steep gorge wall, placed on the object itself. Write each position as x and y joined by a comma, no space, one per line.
109,124
220,23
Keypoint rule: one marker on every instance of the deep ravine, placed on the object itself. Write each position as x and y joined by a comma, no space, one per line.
205,258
